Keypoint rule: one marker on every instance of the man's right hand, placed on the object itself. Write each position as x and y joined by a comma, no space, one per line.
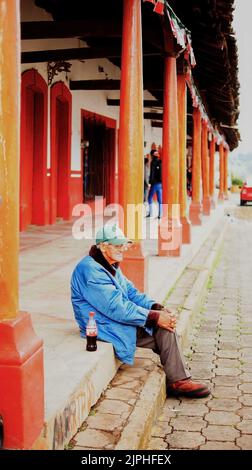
167,320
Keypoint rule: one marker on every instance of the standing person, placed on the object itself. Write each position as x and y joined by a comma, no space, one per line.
189,181
125,316
146,178
155,182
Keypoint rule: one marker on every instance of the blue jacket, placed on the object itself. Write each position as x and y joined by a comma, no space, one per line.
119,307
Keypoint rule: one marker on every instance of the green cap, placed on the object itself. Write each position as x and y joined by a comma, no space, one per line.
111,234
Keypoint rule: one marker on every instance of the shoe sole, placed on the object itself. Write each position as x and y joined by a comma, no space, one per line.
196,394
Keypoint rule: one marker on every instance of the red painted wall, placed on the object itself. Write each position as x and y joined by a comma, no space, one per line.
75,189
34,197
76,195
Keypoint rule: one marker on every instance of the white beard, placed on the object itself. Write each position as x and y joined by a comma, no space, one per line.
118,257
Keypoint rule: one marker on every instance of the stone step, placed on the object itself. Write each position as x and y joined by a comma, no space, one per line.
123,417
74,379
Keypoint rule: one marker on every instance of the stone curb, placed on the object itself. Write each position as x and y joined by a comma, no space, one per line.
137,432
194,300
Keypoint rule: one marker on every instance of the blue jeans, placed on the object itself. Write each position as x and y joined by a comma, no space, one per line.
156,188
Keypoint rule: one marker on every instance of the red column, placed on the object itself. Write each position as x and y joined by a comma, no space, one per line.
182,115
131,149
169,242
195,207
211,171
205,169
21,358
225,173
34,194
221,170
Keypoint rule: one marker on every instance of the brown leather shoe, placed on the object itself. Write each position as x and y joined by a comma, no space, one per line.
188,388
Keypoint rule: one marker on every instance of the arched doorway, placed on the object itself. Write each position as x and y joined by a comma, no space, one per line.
61,122
98,156
33,151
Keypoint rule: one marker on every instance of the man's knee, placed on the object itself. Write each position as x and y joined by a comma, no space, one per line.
165,333
165,337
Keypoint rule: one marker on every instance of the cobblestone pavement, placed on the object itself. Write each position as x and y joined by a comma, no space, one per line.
220,355
107,419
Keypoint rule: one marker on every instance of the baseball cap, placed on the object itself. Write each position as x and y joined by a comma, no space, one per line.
111,234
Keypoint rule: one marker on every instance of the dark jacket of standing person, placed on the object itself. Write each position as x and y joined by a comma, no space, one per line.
155,170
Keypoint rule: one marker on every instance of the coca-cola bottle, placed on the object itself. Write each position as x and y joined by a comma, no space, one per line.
91,333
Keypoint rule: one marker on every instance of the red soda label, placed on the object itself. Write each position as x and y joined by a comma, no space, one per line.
91,331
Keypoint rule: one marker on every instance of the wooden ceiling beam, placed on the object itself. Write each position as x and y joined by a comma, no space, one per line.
108,84
147,103
154,116
79,53
86,29
70,29
156,124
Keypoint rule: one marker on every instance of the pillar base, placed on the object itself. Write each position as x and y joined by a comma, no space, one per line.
221,197
206,206
169,237
22,383
195,212
226,197
186,230
135,266
213,203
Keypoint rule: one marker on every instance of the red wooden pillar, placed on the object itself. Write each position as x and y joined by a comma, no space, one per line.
225,173
221,170
170,229
205,169
21,357
211,171
131,149
182,115
34,200
195,207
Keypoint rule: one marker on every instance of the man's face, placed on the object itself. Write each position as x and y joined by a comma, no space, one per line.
113,253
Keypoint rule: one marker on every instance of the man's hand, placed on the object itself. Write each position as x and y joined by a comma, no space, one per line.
167,320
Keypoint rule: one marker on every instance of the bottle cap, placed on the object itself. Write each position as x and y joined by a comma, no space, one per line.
91,314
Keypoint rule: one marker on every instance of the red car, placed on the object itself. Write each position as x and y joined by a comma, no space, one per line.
246,193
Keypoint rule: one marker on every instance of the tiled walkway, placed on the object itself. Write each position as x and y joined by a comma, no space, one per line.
221,355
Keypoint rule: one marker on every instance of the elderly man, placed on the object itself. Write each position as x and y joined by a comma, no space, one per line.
126,317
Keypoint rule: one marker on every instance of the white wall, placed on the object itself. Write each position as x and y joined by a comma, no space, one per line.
94,101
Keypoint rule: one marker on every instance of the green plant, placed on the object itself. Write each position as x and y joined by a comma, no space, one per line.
236,181
210,282
70,445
